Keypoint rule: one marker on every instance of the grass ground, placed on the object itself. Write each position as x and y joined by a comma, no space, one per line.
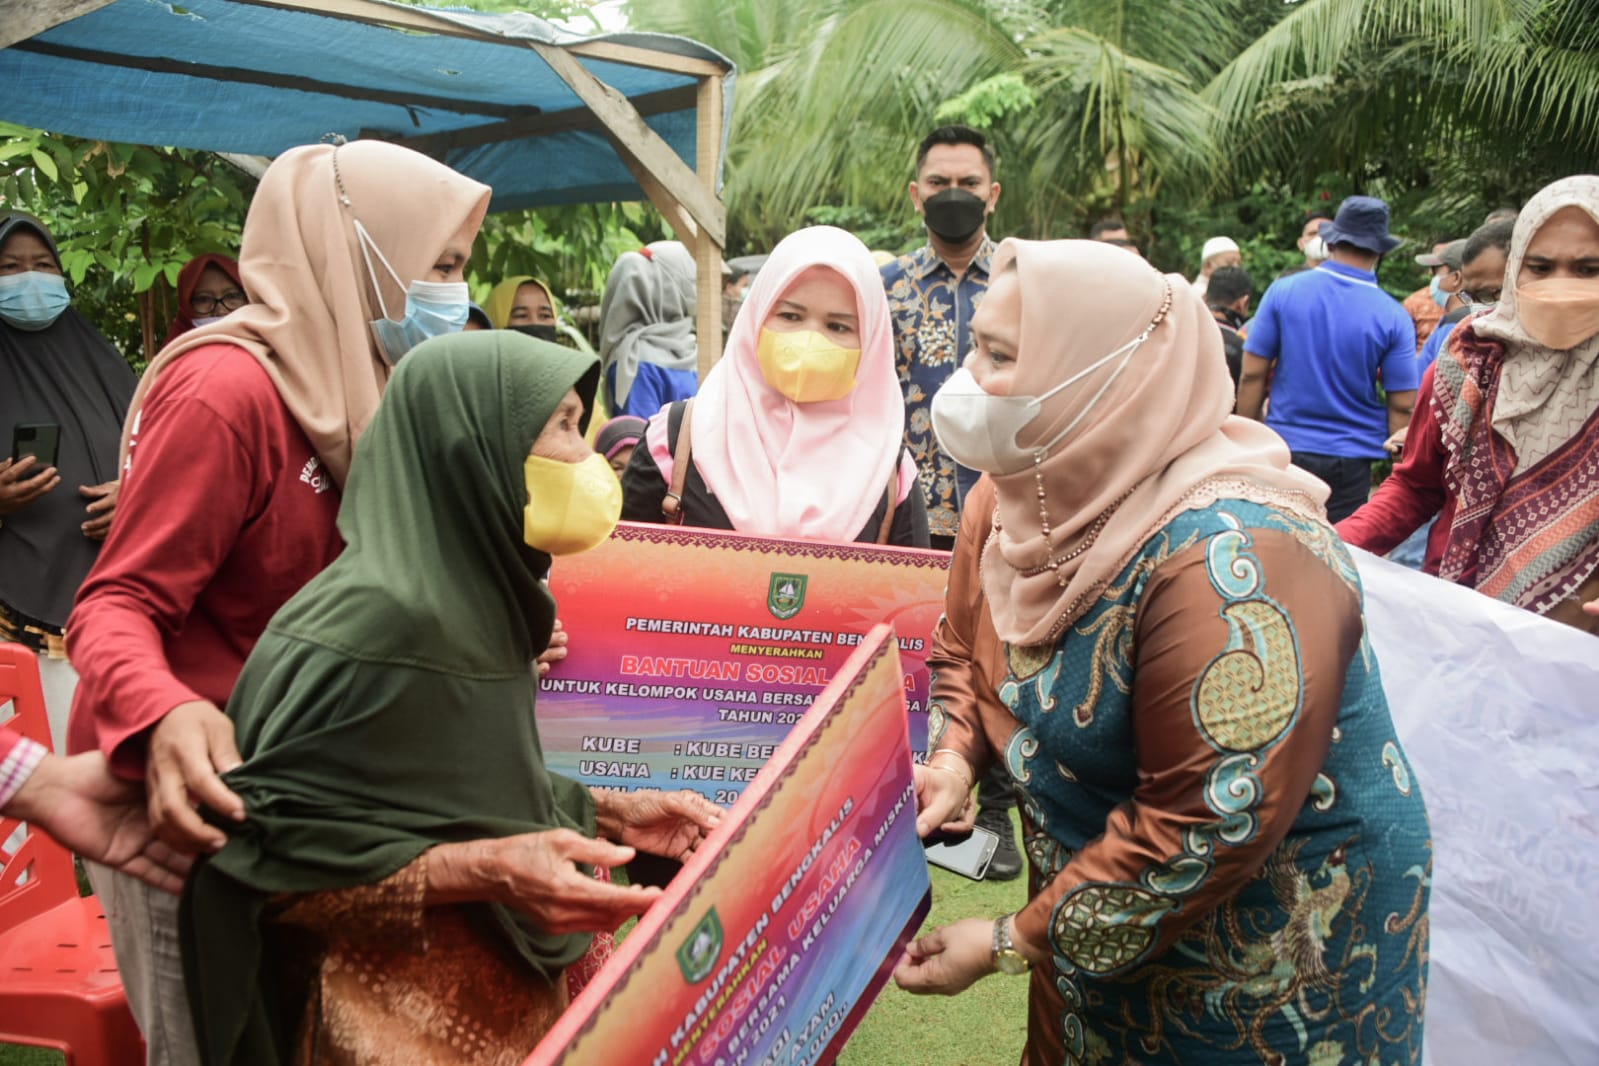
984,1026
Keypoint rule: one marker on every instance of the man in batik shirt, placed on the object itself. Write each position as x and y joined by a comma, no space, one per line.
932,293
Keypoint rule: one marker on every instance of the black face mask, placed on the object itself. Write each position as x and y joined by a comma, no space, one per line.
542,333
954,214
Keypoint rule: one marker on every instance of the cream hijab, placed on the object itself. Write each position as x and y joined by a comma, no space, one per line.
313,298
1545,396
1160,441
815,471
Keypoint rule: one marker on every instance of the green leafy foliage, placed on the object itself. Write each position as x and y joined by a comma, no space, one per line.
1167,114
989,102
1189,120
572,248
899,233
126,218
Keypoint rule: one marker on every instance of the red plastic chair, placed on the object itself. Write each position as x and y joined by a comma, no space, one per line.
59,986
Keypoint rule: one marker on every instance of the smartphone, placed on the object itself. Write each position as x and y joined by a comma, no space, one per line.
42,440
967,854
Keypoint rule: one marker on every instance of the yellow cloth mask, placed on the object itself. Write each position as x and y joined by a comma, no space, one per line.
806,366
572,507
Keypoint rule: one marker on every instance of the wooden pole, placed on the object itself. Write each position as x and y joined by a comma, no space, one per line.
22,19
627,128
708,255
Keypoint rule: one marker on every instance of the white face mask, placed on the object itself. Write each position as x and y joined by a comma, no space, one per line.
979,429
206,320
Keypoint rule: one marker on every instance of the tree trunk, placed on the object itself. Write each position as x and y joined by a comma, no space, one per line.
147,317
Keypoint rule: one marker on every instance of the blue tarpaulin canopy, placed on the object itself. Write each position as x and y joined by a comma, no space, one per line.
541,115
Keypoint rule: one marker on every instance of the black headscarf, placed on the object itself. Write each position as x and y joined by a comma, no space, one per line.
69,375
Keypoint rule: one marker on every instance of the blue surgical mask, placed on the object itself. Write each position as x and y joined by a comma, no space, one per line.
432,308
32,300
1434,287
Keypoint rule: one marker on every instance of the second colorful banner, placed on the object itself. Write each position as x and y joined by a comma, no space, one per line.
694,652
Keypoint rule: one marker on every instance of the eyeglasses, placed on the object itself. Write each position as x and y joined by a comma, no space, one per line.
1486,297
228,301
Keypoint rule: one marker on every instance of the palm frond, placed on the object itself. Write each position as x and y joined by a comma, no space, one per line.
1195,37
839,122
1127,111
1547,87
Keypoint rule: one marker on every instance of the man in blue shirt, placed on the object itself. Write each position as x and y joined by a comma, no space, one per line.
1482,273
932,293
1341,358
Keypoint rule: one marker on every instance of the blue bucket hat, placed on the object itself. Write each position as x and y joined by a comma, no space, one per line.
1363,222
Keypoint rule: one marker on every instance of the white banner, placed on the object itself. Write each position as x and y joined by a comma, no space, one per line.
1498,710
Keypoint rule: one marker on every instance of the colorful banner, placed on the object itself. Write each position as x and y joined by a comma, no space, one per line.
693,652
773,940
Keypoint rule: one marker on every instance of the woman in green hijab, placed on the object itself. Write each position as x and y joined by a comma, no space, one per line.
411,882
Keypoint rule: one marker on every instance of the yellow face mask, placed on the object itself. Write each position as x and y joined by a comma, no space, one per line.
571,507
806,366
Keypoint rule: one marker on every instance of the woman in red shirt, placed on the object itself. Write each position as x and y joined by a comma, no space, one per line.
1505,443
234,457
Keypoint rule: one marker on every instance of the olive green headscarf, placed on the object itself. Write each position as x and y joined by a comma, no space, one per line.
502,298
389,705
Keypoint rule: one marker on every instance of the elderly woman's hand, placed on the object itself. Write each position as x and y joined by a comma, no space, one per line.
672,824
537,874
1592,606
556,650
944,796
949,959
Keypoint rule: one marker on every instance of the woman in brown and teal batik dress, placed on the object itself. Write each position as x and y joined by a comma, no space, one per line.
1151,623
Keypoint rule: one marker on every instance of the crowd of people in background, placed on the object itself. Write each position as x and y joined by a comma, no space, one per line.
217,564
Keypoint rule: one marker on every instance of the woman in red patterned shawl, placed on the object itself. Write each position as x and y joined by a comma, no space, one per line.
1505,443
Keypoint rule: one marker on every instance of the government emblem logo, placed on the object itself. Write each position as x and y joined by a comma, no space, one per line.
786,595
698,954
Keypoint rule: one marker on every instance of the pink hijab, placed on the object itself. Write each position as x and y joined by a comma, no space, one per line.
813,471
1160,441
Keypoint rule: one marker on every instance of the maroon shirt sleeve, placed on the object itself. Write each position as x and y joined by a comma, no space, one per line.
190,487
1412,494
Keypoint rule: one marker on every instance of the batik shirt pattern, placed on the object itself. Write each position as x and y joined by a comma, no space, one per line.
1231,857
931,311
